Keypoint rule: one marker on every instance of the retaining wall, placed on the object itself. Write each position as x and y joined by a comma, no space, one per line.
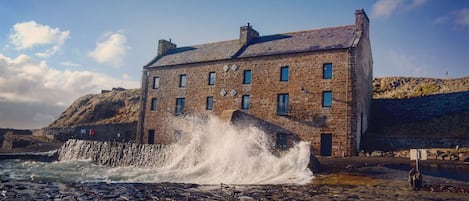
124,132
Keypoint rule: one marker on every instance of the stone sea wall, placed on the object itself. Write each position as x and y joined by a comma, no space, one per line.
438,121
388,112
123,132
114,153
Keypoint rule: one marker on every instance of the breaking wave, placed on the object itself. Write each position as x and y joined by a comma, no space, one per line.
207,152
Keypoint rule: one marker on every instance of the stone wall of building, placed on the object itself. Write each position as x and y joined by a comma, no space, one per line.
307,118
361,67
124,132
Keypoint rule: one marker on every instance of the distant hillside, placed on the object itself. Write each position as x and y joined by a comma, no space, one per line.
411,87
116,106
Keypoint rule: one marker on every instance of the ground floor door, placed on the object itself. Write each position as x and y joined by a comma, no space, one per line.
151,136
326,144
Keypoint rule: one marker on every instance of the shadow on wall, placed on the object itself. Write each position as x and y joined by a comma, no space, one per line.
387,112
438,121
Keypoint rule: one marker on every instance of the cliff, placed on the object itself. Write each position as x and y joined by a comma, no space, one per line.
109,107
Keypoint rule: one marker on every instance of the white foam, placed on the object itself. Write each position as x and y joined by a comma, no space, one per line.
209,152
214,152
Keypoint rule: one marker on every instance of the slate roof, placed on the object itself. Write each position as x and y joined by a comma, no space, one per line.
295,42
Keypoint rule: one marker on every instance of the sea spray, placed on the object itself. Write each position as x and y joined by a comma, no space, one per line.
207,151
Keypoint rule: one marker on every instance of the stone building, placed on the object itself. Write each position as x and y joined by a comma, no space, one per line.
316,85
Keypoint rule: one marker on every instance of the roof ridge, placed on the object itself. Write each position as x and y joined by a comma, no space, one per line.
324,28
294,32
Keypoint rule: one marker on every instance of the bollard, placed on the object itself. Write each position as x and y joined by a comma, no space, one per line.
415,179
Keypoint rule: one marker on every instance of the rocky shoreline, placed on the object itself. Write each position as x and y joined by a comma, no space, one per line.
355,178
390,190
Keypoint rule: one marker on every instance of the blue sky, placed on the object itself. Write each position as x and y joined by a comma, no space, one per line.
52,52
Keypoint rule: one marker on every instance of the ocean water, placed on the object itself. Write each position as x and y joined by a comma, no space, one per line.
208,151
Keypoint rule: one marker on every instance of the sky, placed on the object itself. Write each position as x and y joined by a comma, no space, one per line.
53,52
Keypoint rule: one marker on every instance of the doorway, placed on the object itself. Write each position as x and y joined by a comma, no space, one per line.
151,136
326,144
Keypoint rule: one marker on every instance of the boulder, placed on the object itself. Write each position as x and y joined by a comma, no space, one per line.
377,153
11,141
464,157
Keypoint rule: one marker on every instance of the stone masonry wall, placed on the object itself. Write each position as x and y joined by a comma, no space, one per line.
307,118
104,132
387,112
438,121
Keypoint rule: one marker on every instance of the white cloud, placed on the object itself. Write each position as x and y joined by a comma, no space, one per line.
403,64
110,51
24,80
462,17
415,4
441,20
385,8
69,64
27,35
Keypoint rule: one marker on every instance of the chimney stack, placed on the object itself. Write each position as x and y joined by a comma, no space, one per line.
247,34
361,20
164,46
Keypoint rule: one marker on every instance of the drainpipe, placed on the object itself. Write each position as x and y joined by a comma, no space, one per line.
347,72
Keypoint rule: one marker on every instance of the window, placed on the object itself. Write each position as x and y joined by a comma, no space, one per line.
156,82
151,136
327,71
247,77
180,105
281,141
182,80
211,78
153,104
326,99
282,104
245,102
284,74
209,102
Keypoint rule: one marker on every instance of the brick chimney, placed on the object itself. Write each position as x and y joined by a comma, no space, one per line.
164,46
361,20
247,34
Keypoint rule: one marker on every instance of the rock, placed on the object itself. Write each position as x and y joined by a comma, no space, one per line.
362,153
11,141
388,154
464,157
443,156
453,157
377,154
116,106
